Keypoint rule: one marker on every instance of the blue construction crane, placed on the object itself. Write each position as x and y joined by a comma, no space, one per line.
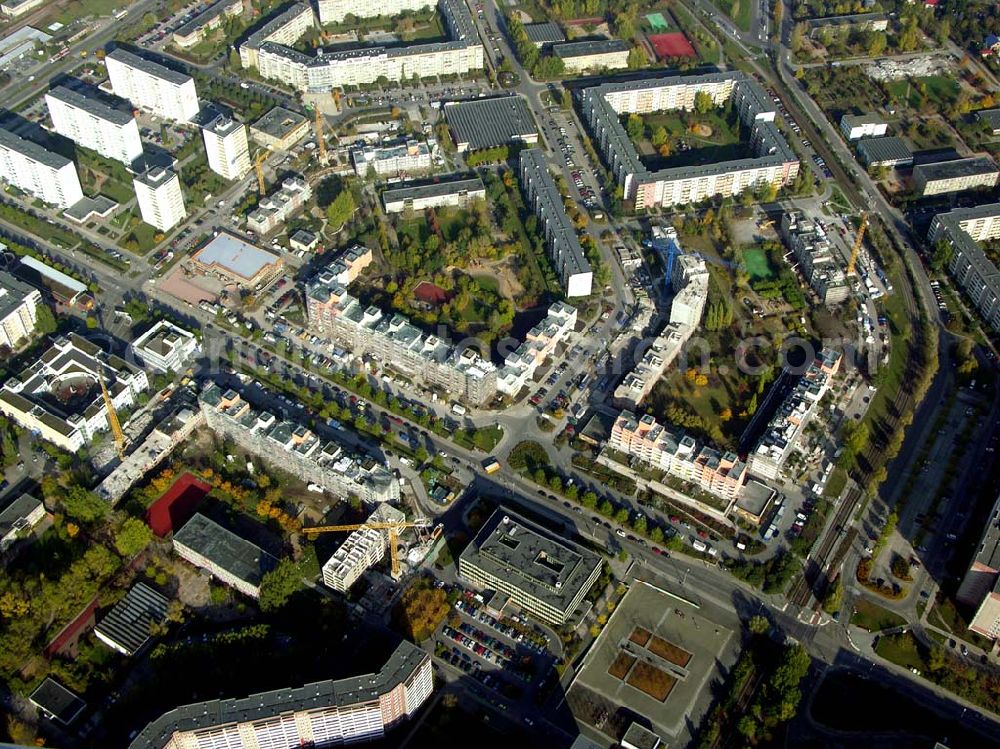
669,248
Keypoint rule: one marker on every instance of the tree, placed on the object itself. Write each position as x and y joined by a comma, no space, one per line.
636,58
640,525
279,585
566,100
758,625
45,320
341,209
634,126
659,136
132,537
834,597
589,500
943,252
621,516
703,102
83,505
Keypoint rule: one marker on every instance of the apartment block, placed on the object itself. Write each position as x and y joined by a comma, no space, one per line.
543,574
274,210
335,11
18,8
689,280
392,158
606,54
977,172
19,303
539,344
361,551
161,202
858,126
93,123
669,449
773,163
295,448
347,266
561,240
367,331
267,50
784,431
963,229
166,347
227,147
816,257
325,713
980,587
454,194
46,175
58,397
230,558
210,19
150,86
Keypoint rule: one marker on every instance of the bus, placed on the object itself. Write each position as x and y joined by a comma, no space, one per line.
491,465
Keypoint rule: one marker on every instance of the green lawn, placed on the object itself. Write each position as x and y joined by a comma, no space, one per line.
76,9
947,617
836,483
757,265
941,90
738,11
903,650
874,618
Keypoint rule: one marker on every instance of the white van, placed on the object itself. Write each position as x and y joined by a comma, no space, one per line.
458,409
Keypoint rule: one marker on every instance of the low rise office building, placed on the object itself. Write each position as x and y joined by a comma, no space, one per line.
546,202
454,194
669,449
230,558
325,713
293,447
18,310
543,34
90,121
274,210
150,86
844,24
887,151
161,201
59,398
605,54
964,229
18,518
280,129
126,628
812,249
361,551
43,174
858,126
783,434
543,574
18,8
975,173
539,344
392,158
166,347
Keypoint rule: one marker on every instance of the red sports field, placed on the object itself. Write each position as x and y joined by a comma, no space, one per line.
177,504
674,44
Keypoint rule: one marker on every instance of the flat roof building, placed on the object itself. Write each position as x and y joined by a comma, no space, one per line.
992,119
541,34
195,30
855,21
607,54
275,209
161,201
230,558
165,347
18,518
58,397
18,310
227,147
819,264
151,86
56,702
325,713
455,193
485,123
398,157
237,261
17,8
857,126
888,151
977,172
90,121
361,550
542,573
126,628
546,201
44,174
980,587
280,129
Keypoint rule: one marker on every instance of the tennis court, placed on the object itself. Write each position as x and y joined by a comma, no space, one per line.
755,260
674,44
657,22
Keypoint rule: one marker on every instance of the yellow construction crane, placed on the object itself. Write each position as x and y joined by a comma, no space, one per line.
116,427
319,136
392,527
857,243
259,166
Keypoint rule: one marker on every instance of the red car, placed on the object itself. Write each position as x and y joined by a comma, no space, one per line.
657,551
674,519
702,534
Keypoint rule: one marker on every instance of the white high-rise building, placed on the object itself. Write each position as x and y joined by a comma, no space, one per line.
46,175
150,86
92,123
161,201
227,147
